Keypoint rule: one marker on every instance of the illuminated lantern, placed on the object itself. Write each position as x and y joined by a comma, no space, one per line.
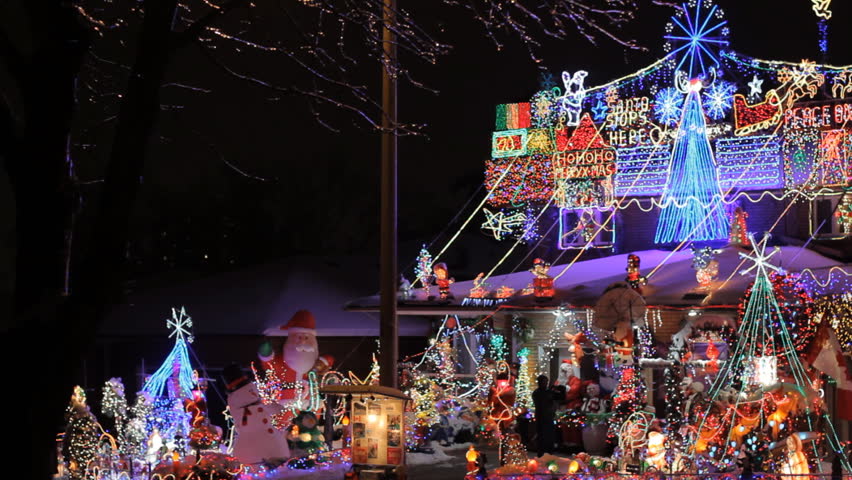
345,420
471,457
765,370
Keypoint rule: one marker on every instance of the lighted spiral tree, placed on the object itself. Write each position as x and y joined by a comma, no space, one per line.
757,399
796,311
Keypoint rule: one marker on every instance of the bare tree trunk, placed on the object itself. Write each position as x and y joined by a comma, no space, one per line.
61,333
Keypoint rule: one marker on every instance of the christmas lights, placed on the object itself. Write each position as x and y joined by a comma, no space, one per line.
837,310
82,433
750,163
177,364
844,213
554,337
500,224
696,34
718,98
520,181
762,332
423,269
523,384
692,200
571,101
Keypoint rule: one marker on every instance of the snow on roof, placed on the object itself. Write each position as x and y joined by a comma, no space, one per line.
256,301
673,284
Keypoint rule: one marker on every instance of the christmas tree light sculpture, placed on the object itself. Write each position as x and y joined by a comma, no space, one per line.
171,383
692,199
176,364
762,393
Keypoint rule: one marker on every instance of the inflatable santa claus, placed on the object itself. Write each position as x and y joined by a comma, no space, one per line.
299,356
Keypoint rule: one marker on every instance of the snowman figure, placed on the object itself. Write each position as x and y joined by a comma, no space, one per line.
257,441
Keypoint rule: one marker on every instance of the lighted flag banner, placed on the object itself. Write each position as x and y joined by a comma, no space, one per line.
512,116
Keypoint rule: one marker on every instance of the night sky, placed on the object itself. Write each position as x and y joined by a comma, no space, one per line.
304,189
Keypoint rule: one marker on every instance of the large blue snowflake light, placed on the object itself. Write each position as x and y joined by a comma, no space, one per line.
718,99
695,36
667,105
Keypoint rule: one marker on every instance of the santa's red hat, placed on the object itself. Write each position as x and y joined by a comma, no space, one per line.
328,360
302,322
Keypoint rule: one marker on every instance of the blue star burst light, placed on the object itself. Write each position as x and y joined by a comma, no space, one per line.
696,36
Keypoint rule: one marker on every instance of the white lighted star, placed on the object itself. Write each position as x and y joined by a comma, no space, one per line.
759,257
500,224
181,322
756,85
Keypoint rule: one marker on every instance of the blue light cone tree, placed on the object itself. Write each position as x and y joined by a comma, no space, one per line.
171,384
692,206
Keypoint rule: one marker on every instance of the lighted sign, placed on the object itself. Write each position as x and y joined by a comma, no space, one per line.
509,143
583,173
837,115
378,428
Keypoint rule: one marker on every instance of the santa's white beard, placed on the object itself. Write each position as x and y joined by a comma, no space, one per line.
300,358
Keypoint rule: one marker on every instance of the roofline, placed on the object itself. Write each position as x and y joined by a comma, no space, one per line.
463,310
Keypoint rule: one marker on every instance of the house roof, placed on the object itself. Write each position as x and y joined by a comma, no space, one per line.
673,284
256,301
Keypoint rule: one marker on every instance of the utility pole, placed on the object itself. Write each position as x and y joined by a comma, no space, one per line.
388,323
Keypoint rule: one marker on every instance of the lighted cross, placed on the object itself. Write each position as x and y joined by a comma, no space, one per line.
181,322
760,259
500,224
756,86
